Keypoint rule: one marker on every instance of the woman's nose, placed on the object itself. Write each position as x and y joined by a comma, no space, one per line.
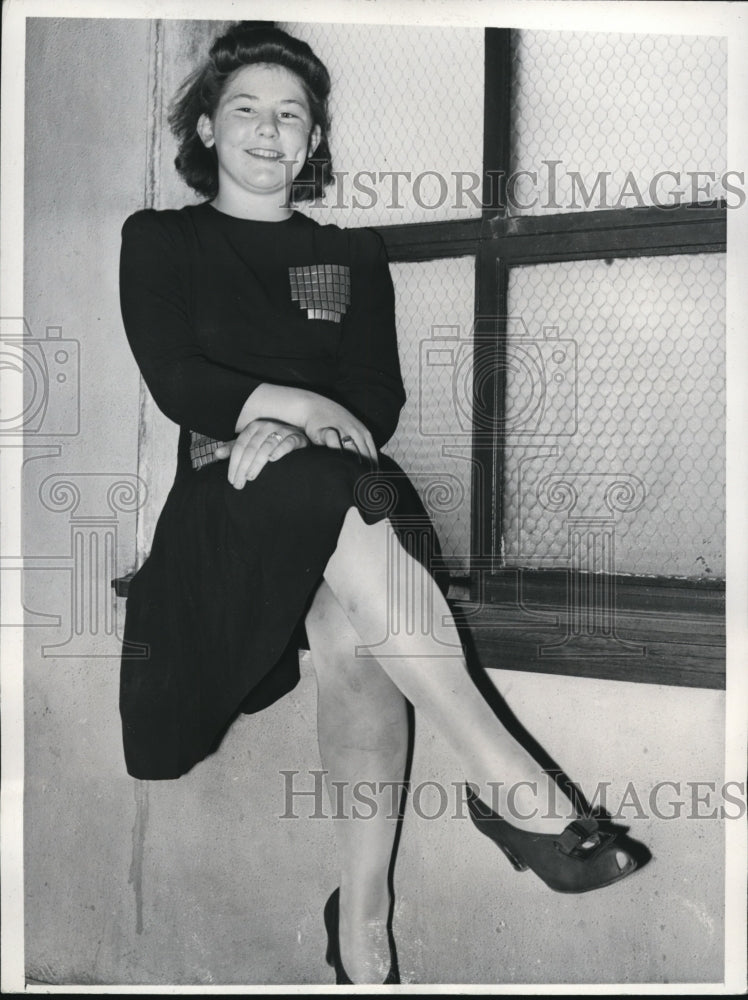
266,125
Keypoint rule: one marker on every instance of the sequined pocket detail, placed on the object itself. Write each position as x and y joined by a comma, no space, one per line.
324,290
203,449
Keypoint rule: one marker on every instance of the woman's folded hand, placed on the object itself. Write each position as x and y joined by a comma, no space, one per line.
259,442
330,424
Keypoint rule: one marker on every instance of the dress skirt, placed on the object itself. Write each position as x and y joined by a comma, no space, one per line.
221,599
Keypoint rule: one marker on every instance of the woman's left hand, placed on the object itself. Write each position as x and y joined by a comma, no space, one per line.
259,442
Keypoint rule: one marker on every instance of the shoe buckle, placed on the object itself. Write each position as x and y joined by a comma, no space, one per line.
583,839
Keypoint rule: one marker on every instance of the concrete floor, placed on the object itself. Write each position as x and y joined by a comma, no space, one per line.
199,881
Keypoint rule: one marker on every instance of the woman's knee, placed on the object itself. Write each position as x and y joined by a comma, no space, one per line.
326,623
332,640
363,570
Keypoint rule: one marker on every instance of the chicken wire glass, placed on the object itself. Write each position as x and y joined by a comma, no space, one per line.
625,104
404,98
434,302
628,372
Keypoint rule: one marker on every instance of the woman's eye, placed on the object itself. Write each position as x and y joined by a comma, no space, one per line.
288,114
245,109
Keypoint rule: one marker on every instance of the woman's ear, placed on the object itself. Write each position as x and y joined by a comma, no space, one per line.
205,130
314,137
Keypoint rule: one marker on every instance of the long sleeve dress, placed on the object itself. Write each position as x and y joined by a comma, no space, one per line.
213,306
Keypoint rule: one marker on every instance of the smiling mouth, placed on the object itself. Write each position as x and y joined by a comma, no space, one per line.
265,154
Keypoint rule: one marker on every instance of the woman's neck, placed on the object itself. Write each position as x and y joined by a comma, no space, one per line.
257,209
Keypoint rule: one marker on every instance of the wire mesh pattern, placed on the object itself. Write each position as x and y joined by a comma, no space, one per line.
641,438
631,105
404,98
433,440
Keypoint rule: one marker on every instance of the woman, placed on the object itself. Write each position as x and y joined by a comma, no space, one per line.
271,341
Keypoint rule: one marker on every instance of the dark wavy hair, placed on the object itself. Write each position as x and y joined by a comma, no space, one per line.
244,44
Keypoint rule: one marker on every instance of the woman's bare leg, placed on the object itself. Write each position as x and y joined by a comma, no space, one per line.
428,667
362,729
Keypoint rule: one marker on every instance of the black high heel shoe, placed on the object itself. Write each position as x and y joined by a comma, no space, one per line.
579,859
332,920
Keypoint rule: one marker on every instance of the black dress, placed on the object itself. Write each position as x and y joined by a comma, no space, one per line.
213,306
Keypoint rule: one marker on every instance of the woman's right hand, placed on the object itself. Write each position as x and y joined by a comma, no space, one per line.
260,442
332,425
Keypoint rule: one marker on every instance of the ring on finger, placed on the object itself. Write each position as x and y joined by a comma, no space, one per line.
349,440
275,434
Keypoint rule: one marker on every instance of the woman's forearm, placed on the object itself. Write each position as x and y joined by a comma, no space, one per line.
277,402
324,421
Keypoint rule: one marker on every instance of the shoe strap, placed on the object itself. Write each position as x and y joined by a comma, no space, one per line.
577,832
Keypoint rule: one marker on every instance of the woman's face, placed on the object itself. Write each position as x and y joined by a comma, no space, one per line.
262,132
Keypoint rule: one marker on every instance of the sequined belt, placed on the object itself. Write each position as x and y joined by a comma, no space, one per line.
203,449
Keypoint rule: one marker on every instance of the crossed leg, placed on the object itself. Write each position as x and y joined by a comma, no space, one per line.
427,665
362,720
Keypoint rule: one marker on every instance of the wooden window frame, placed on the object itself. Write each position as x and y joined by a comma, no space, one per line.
679,624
